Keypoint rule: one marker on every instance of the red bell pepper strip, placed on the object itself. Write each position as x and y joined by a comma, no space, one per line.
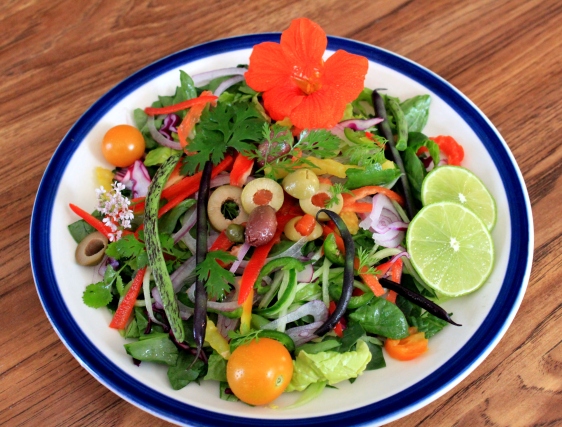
222,243
340,326
183,189
339,241
369,190
92,220
152,111
121,316
241,170
255,265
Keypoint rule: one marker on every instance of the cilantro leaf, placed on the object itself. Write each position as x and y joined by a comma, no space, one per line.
97,295
225,126
217,279
128,247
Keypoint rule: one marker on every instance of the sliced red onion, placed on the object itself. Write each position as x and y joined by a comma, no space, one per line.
358,124
135,178
182,273
189,220
354,124
159,138
213,235
385,222
315,308
146,292
204,78
222,179
225,325
241,254
185,311
169,125
305,276
227,83
303,334
213,305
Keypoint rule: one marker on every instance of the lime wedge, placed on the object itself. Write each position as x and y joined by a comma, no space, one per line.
457,184
450,248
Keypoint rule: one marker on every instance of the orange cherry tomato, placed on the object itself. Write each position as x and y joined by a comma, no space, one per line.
407,348
122,145
259,371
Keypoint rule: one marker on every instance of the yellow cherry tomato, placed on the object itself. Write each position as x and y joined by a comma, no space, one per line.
259,371
122,145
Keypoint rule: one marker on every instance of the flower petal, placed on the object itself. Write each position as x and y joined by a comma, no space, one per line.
344,75
303,44
318,110
268,67
282,99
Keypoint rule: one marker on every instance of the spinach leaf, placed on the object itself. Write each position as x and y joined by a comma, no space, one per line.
428,323
351,334
157,348
415,171
216,368
184,371
167,223
377,357
416,112
381,317
80,229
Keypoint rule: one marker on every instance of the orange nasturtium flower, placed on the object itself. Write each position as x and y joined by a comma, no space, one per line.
297,83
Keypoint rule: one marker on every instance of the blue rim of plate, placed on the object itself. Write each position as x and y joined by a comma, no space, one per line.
400,404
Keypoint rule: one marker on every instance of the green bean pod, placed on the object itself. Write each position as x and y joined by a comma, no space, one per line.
154,248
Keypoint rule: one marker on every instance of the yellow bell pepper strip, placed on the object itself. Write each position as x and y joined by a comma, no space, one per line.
351,220
121,316
246,317
152,111
216,340
321,167
104,177
92,220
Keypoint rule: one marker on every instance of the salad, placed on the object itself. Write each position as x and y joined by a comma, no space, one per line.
279,227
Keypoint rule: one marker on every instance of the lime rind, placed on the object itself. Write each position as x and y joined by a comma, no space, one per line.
460,185
450,248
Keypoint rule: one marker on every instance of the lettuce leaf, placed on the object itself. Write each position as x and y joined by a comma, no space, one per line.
329,366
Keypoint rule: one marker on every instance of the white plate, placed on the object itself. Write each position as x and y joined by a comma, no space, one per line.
377,397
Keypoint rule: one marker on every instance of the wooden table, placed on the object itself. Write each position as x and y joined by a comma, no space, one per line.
57,57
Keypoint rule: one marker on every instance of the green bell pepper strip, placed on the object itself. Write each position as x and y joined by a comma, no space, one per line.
284,263
354,302
331,250
283,301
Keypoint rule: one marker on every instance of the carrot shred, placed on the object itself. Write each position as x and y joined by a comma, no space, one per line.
190,120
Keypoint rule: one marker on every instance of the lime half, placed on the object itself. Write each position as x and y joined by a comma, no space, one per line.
457,184
450,248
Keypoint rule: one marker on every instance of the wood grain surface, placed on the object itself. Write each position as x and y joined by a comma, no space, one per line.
57,57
